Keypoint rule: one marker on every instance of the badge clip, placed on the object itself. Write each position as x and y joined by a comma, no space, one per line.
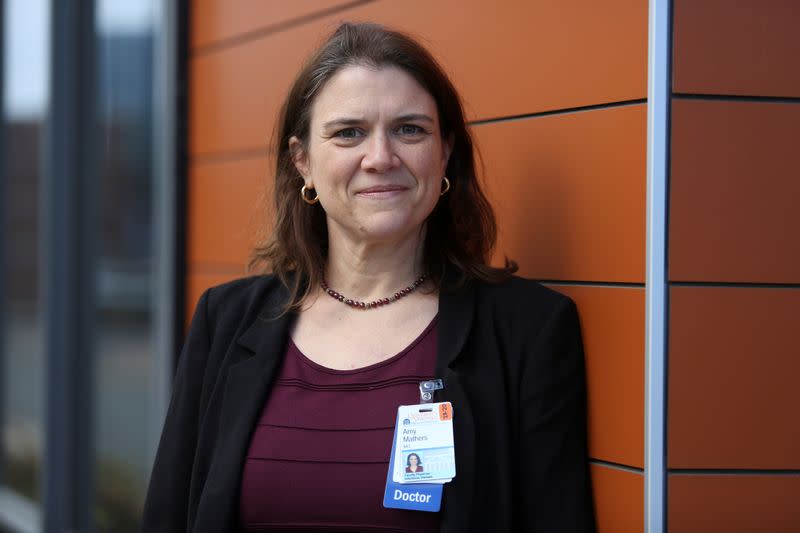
427,388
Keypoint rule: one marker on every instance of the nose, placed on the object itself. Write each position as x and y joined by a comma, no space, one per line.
380,155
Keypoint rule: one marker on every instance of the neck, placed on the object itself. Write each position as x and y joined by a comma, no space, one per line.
366,271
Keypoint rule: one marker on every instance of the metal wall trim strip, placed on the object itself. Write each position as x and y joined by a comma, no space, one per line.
658,108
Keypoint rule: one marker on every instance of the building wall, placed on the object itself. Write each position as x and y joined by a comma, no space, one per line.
733,439
555,91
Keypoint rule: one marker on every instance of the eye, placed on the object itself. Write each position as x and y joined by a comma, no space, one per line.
410,129
348,133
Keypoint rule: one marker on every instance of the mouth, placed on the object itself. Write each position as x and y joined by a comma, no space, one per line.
382,191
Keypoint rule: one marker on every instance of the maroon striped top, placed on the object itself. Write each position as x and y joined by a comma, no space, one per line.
320,452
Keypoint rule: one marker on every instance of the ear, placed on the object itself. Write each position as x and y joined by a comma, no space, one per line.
299,157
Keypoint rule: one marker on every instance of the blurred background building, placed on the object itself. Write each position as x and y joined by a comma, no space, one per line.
642,158
88,257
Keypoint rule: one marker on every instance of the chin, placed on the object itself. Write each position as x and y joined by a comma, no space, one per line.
389,227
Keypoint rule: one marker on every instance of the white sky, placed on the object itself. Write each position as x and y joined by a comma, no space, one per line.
26,47
26,57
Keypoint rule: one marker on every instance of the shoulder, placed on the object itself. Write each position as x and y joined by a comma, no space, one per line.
241,290
523,299
242,300
520,313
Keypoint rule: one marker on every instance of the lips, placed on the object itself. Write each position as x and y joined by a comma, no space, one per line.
377,189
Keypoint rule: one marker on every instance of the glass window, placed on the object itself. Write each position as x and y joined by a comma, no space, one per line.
126,344
25,88
130,262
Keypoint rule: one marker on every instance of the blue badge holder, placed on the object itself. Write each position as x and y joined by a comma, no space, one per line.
413,497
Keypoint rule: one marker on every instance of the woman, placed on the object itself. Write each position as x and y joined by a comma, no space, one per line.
413,465
287,390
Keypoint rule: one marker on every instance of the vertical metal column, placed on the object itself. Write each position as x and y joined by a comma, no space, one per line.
68,262
165,132
658,108
3,228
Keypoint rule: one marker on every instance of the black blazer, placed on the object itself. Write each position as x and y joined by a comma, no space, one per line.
512,362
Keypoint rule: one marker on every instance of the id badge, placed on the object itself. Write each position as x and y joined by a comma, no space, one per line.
424,450
422,457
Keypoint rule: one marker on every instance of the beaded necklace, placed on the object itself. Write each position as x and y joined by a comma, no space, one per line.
402,293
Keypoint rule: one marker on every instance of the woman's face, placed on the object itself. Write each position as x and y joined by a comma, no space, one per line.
375,154
413,461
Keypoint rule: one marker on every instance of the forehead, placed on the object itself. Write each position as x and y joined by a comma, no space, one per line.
362,92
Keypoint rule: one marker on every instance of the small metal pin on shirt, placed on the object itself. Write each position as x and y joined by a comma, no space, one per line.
427,388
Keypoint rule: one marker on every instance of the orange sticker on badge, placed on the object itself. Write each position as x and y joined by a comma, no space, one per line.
445,412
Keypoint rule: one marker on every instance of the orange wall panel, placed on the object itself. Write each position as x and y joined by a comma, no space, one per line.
747,47
734,192
612,322
227,209
733,504
733,378
218,20
507,59
618,500
229,110
569,193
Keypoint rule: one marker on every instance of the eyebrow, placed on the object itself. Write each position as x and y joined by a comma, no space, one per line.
350,121
414,116
345,121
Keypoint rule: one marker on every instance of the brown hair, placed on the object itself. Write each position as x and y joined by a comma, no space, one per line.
461,230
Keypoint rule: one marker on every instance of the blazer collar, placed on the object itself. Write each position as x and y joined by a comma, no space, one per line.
456,310
254,364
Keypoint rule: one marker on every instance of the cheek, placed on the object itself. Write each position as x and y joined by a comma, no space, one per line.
437,162
427,172
332,169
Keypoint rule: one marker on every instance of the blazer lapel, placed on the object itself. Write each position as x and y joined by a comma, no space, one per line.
259,350
456,311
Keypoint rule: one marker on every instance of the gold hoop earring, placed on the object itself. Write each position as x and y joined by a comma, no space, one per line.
446,186
306,199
